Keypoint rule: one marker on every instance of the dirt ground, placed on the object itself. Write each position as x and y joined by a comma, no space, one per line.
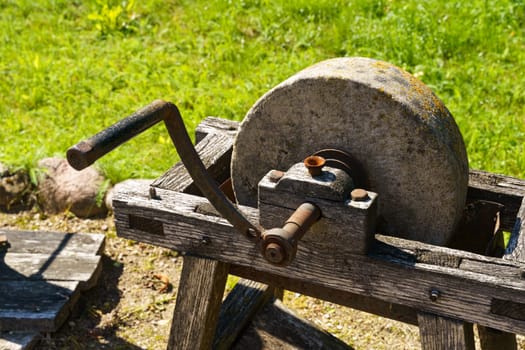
132,305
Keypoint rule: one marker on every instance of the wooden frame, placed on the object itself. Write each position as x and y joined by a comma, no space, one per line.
409,281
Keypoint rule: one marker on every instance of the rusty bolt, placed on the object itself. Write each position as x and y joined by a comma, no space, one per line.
359,195
434,294
275,175
314,164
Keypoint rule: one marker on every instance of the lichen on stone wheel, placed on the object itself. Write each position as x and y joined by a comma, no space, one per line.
402,134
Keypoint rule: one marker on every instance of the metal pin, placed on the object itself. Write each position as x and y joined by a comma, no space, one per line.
153,193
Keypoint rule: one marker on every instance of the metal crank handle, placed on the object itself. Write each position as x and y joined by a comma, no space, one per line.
88,151
279,245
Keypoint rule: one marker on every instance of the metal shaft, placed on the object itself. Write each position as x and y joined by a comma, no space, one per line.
86,152
279,245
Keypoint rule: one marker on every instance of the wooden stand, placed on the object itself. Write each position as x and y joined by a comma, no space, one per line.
442,290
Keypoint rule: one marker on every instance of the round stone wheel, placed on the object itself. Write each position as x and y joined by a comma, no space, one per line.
402,134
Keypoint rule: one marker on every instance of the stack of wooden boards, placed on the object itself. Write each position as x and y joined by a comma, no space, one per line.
41,277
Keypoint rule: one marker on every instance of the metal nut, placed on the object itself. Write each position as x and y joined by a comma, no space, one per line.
434,294
276,175
359,195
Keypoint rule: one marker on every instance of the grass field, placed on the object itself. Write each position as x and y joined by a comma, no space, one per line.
70,68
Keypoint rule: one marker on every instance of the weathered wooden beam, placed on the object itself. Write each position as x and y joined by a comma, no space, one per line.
238,309
472,286
493,339
355,301
214,125
199,297
438,333
277,327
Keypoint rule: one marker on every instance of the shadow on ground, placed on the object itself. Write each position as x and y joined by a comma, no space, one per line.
94,321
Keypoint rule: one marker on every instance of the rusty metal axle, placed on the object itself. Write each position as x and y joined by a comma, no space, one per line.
279,245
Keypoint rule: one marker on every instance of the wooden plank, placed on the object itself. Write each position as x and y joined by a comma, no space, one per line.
199,297
18,340
493,339
355,301
396,271
277,327
214,125
439,333
35,305
239,308
42,242
24,266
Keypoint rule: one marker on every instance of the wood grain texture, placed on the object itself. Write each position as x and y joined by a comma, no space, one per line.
355,301
390,272
42,242
35,305
42,274
34,267
18,340
199,297
214,125
238,310
438,333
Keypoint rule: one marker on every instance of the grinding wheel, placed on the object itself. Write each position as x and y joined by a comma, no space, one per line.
404,137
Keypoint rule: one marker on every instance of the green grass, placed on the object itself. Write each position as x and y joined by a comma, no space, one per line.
70,68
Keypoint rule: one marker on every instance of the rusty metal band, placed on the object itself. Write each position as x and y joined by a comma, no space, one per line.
86,152
345,161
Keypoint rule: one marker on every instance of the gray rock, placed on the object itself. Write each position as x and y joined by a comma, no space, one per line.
15,189
61,188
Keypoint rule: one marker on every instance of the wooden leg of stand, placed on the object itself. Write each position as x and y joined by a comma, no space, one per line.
199,298
444,333
493,339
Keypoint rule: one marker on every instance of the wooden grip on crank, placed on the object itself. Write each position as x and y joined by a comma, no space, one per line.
86,152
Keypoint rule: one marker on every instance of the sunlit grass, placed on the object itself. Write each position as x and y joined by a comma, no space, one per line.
65,76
